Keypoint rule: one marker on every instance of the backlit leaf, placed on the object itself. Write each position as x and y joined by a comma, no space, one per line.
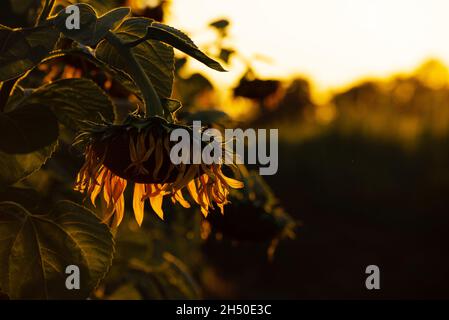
179,40
15,167
169,280
157,59
23,49
36,249
74,100
92,28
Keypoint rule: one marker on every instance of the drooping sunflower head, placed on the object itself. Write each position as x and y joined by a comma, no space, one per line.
138,152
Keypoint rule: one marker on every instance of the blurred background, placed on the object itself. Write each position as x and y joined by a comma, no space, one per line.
359,91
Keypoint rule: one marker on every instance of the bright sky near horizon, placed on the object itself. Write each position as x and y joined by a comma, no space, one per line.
335,42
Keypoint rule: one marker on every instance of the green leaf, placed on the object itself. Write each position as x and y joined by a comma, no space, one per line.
15,167
27,128
111,18
177,275
179,40
118,75
125,292
36,249
23,49
171,105
157,59
92,28
169,280
74,101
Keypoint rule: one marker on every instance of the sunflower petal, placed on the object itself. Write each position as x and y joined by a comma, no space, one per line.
107,190
139,202
233,183
117,188
191,187
204,211
97,188
180,198
120,211
221,206
156,204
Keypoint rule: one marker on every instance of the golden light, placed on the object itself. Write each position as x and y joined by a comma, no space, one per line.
333,42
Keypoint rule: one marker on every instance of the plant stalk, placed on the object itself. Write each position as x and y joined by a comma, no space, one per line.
153,106
46,11
5,91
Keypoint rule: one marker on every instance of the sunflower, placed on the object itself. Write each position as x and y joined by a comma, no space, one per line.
137,153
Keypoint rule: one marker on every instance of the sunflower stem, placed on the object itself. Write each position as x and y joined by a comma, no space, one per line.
5,91
153,106
46,11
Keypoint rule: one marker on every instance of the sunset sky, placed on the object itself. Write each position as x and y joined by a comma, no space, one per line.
333,42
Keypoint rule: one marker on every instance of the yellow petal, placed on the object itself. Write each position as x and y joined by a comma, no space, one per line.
191,187
116,189
180,198
221,206
204,211
96,190
108,211
156,204
107,190
138,202
120,211
236,184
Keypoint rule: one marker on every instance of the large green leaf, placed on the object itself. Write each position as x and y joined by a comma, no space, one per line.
27,128
169,279
156,58
179,40
35,251
92,28
126,292
15,167
15,98
28,198
120,76
74,101
23,49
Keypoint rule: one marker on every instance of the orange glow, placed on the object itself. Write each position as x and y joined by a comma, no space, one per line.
333,42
